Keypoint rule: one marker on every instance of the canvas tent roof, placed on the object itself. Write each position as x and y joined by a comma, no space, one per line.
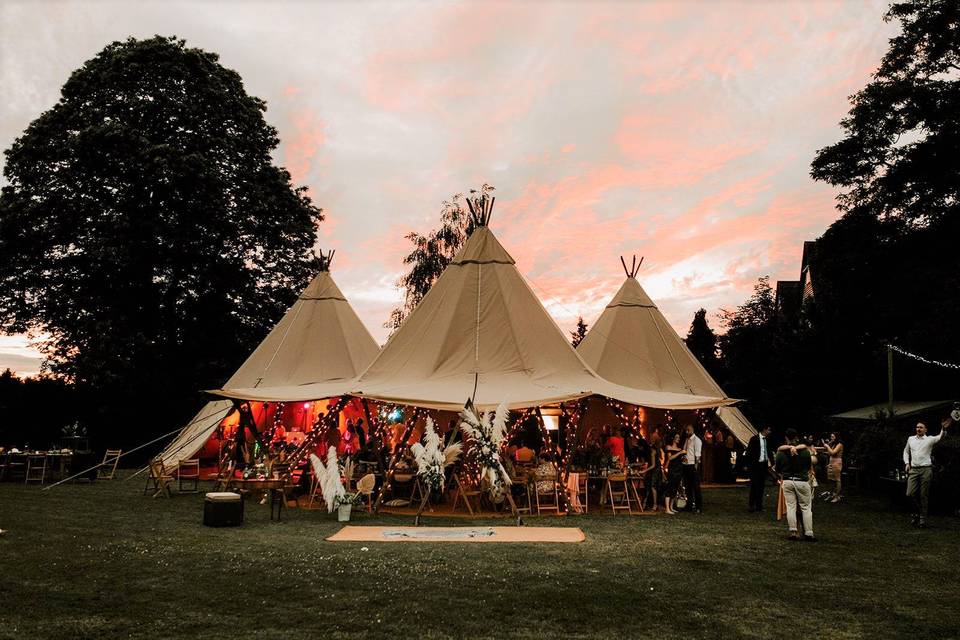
320,339
632,344
901,409
481,330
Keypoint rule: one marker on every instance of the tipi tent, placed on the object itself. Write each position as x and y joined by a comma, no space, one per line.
632,344
481,333
320,339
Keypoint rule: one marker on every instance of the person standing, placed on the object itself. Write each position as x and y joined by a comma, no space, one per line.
759,459
793,465
919,465
674,455
693,448
834,449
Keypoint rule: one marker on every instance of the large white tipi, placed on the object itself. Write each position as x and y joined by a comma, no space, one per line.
632,344
319,340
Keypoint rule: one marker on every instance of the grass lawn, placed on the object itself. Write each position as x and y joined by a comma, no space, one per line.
101,561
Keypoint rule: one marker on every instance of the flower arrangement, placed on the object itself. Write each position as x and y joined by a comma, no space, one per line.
487,434
328,477
432,458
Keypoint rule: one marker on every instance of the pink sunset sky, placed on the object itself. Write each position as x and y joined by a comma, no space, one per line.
682,132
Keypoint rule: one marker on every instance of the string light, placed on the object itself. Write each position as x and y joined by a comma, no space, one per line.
938,363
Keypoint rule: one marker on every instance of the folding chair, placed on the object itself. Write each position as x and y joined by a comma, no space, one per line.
540,483
36,468
465,491
160,479
108,468
189,470
637,480
618,492
583,490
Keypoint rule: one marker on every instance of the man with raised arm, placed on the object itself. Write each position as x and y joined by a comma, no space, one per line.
918,461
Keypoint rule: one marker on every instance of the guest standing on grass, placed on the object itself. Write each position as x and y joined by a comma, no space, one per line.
674,454
918,460
655,480
693,448
759,461
834,449
793,465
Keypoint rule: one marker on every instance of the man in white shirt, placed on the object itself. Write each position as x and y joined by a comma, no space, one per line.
693,447
919,465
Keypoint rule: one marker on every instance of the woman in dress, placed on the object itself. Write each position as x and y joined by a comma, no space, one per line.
674,460
834,449
655,478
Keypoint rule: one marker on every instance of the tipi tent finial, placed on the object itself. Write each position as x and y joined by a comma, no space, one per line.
634,267
324,259
481,209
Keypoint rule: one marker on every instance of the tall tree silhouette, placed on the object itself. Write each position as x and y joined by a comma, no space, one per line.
145,228
432,253
702,341
578,334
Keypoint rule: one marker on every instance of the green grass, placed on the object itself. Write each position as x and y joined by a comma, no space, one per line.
101,561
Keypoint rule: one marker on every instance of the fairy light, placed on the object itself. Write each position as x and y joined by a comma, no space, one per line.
919,358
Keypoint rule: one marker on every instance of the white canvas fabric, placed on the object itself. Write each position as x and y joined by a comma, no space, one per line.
481,327
632,344
480,332
319,340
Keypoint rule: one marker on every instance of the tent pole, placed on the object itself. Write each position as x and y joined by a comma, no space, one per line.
373,432
577,431
388,479
549,443
890,381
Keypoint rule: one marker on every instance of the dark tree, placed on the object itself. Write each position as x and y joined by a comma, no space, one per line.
702,341
433,252
146,230
889,269
578,334
900,157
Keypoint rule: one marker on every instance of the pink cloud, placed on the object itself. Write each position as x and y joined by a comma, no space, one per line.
300,148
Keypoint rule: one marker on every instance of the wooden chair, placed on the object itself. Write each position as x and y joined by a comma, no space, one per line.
583,490
189,471
365,487
465,490
522,480
108,468
540,482
160,479
637,480
36,468
618,492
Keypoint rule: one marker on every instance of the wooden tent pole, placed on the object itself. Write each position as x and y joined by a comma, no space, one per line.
548,442
578,430
373,432
388,479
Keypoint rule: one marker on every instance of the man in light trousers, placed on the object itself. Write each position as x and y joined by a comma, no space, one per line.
918,461
793,465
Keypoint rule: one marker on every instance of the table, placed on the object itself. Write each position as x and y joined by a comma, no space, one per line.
276,487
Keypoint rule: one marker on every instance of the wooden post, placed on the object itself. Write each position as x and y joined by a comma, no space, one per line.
890,380
388,478
373,432
548,442
576,439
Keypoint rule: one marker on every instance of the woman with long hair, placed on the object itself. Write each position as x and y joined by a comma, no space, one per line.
835,465
655,478
674,460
